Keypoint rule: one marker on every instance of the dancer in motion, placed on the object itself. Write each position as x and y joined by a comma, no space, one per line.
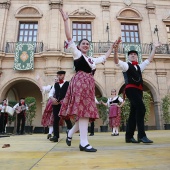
114,111
132,72
79,101
47,118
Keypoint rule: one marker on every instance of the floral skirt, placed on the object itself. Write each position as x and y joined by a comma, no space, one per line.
114,116
80,98
48,118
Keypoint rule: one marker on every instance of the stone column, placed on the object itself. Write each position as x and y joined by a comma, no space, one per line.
110,77
158,115
106,19
150,6
54,25
4,8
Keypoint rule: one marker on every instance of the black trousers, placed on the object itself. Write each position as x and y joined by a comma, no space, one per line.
56,110
137,113
92,128
3,122
20,121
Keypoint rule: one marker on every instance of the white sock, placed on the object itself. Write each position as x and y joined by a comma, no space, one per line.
73,130
50,129
114,130
83,127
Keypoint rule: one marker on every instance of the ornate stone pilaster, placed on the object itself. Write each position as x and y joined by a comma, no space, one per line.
105,5
56,4
54,25
150,6
5,5
110,79
158,115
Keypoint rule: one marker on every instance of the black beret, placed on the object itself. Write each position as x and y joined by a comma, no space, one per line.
61,72
132,51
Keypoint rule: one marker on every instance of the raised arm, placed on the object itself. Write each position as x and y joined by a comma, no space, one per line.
155,45
66,27
115,47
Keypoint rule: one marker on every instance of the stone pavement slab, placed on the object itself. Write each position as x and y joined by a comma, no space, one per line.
37,153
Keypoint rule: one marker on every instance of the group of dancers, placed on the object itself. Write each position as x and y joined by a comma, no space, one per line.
76,99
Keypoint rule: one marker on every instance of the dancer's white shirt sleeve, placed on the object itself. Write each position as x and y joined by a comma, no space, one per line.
124,65
46,89
120,99
96,101
100,59
73,49
52,92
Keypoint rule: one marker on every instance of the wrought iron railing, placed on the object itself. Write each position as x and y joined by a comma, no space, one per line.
10,47
102,47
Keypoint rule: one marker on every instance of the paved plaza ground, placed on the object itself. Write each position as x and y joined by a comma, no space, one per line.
35,152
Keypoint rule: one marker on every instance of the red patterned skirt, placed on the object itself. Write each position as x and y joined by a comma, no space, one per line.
80,98
114,116
48,118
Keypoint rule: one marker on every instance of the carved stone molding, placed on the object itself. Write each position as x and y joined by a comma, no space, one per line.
105,5
28,12
161,73
5,5
82,13
109,73
127,2
129,14
151,8
56,4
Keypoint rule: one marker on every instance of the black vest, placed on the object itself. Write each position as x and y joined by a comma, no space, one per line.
133,76
82,65
115,101
61,92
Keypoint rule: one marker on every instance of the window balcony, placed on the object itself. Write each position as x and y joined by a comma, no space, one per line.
102,47
10,47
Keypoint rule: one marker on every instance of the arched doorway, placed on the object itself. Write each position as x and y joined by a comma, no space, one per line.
15,89
154,121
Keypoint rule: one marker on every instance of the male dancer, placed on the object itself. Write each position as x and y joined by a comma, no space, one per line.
132,72
21,108
59,91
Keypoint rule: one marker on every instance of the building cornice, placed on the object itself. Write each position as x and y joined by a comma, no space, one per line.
5,5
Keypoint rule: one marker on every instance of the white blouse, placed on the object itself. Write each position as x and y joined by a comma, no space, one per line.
46,89
90,60
112,99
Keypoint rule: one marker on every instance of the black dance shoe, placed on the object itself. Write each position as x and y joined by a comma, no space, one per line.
116,134
48,136
91,134
86,149
54,139
131,140
113,134
145,140
68,142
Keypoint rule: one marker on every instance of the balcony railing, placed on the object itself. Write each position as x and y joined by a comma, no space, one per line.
10,47
102,47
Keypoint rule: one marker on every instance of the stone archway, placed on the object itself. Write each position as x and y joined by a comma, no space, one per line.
17,88
155,120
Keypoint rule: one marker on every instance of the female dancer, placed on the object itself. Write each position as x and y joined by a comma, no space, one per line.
79,100
114,111
47,118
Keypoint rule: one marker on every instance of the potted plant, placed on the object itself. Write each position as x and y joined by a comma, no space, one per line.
30,113
125,110
147,102
166,111
11,119
103,113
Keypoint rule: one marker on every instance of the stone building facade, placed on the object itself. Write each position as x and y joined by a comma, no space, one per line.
101,22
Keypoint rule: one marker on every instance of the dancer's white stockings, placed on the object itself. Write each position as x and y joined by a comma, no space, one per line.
82,126
115,130
50,129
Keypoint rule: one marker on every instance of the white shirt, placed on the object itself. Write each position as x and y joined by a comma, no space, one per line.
96,101
46,89
2,108
90,60
114,98
124,65
17,105
52,91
